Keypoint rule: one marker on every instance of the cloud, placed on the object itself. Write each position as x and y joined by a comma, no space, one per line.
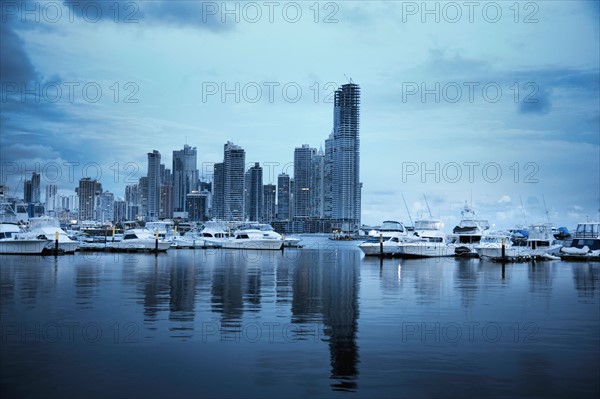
539,103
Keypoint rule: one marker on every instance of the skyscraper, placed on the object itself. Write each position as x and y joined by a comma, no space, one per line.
283,197
346,187
154,182
269,193
302,178
327,178
185,176
88,191
233,171
35,187
218,187
255,194
317,166
51,197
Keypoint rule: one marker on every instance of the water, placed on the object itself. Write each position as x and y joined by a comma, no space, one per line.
322,321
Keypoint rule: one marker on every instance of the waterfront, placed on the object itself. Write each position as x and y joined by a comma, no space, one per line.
320,321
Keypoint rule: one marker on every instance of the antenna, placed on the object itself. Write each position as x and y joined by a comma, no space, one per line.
523,210
348,79
546,209
426,203
407,211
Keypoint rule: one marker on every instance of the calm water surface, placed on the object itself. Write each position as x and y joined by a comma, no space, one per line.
321,321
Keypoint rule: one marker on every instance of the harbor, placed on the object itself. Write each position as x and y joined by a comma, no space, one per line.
323,320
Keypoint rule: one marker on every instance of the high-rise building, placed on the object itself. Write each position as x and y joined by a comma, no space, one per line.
302,178
283,197
233,172
31,189
268,208
346,187
154,182
317,169
105,210
218,195
166,193
120,210
51,198
197,206
88,191
132,201
327,178
254,205
35,187
185,176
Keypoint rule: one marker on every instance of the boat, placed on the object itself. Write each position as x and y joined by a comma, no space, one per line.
541,241
251,239
139,239
215,233
384,241
490,247
467,233
269,231
48,228
427,241
14,242
585,245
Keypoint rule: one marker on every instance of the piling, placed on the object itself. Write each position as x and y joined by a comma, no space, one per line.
381,245
56,243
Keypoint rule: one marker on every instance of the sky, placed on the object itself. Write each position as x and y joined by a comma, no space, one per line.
492,103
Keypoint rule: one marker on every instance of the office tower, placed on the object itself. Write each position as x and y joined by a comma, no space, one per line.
233,172
346,187
132,199
317,165
268,208
120,211
51,198
185,176
88,191
197,206
35,187
218,196
254,204
105,210
302,178
154,182
166,193
327,178
283,197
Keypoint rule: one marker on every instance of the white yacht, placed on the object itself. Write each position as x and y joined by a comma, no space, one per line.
46,227
541,241
385,240
468,232
585,245
14,241
490,247
270,232
139,240
215,233
251,239
428,240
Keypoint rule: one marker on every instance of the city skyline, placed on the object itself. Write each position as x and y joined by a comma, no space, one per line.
457,105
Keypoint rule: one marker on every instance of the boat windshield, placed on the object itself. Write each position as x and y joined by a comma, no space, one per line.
588,230
43,222
428,225
392,226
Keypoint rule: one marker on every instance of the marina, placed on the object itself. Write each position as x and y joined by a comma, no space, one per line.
321,321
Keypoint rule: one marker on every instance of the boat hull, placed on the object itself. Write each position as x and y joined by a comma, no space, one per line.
252,244
138,245
374,249
425,250
22,247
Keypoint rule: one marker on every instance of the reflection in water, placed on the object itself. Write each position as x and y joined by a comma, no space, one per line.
467,280
586,277
325,288
540,277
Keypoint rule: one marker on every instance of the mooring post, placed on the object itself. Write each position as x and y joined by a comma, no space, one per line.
156,243
381,245
56,243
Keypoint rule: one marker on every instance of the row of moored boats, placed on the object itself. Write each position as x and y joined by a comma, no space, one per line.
472,238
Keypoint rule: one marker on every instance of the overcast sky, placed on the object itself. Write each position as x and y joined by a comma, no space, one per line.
494,103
